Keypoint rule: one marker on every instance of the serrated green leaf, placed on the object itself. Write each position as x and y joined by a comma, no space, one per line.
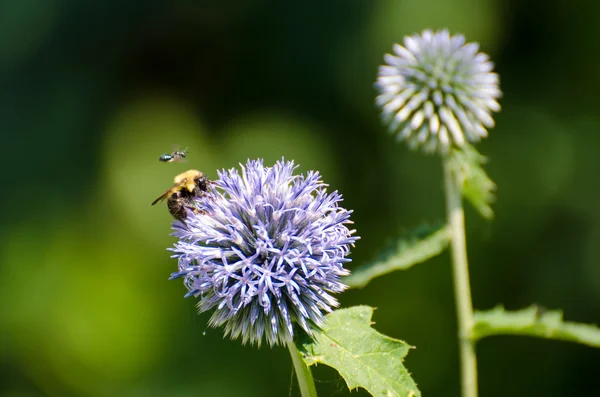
533,321
364,357
477,187
416,247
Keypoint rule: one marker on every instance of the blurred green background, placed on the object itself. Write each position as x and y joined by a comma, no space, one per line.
91,93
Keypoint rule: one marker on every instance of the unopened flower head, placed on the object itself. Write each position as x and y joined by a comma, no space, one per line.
437,92
266,253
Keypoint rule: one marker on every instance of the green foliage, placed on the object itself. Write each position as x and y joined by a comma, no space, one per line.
533,321
363,356
477,187
415,247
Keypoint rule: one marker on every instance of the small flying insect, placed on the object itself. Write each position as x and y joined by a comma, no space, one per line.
180,197
177,156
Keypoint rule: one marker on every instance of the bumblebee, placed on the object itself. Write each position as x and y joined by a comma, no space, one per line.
187,186
177,156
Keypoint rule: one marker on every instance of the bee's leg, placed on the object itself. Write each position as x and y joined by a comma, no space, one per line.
198,211
197,192
206,193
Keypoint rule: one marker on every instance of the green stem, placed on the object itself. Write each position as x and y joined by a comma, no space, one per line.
462,289
305,379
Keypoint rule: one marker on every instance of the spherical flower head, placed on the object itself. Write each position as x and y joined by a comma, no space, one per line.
266,252
437,92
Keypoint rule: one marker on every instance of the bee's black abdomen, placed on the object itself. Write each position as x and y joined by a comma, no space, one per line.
176,206
165,158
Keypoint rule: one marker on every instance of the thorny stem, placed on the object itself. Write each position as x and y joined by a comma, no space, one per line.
462,289
305,379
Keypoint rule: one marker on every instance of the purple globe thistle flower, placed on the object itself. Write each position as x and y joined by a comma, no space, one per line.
268,252
437,91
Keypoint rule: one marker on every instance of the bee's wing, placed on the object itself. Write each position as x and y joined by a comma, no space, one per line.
165,194
161,198
179,148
